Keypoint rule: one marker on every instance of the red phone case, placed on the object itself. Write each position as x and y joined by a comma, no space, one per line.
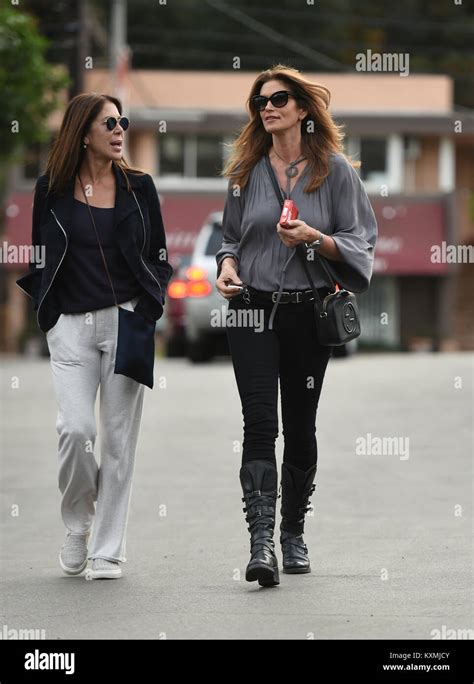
289,212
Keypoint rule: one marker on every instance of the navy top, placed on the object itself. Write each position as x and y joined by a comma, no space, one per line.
82,284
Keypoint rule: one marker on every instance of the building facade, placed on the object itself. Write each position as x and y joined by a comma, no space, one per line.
417,155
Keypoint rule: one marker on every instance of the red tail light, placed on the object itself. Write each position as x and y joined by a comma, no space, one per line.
199,288
194,284
195,273
178,289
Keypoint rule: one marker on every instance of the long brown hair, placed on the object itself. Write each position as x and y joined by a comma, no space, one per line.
67,154
317,144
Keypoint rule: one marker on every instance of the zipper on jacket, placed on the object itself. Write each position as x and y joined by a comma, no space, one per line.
144,243
57,269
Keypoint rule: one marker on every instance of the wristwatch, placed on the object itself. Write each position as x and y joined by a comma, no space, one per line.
316,244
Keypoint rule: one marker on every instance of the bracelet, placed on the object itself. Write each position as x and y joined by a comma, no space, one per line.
317,243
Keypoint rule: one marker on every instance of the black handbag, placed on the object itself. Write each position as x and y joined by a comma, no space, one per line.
135,352
337,316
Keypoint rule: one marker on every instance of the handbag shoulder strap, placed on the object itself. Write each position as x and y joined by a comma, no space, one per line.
299,248
98,240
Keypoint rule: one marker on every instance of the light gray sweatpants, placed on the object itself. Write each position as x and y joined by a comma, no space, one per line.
82,348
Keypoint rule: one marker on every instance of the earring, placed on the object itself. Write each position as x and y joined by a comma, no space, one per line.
84,146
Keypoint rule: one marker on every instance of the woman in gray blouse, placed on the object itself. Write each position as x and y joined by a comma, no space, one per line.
271,324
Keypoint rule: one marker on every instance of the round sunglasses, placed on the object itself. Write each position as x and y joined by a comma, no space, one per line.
111,122
278,99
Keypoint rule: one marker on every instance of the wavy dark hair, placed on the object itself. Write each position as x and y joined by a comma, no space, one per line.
67,153
254,141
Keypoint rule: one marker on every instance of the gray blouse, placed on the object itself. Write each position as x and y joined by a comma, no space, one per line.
340,207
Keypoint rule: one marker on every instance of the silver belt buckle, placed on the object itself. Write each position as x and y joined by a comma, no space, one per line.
275,296
298,300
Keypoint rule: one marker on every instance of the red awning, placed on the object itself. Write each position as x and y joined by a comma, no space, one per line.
408,229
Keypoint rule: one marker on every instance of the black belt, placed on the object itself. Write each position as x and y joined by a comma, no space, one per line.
286,297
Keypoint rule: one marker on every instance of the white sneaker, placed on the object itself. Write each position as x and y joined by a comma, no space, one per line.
73,554
105,569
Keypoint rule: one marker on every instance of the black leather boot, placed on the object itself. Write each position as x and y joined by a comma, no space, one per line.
296,488
259,485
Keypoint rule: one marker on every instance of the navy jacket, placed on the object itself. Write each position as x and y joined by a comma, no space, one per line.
140,235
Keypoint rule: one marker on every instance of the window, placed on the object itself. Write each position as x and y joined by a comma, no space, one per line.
190,156
209,156
381,297
171,151
373,155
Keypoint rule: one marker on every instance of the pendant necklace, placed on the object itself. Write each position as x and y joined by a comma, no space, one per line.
291,171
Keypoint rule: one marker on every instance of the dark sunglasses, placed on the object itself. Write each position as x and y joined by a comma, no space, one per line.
111,122
278,99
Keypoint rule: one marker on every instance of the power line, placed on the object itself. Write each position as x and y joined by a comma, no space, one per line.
167,37
413,23
255,61
273,35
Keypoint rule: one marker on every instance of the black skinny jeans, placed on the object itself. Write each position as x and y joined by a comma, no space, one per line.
290,352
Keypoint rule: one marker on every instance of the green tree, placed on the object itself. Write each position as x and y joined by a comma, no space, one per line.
29,85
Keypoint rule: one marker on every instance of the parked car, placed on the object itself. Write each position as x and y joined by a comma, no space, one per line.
204,305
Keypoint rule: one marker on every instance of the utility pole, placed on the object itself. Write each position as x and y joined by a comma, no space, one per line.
118,42
119,56
82,47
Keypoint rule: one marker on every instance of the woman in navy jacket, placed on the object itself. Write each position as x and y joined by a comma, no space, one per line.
51,217
76,308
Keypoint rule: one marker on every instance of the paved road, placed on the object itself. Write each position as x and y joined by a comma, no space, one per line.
390,541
